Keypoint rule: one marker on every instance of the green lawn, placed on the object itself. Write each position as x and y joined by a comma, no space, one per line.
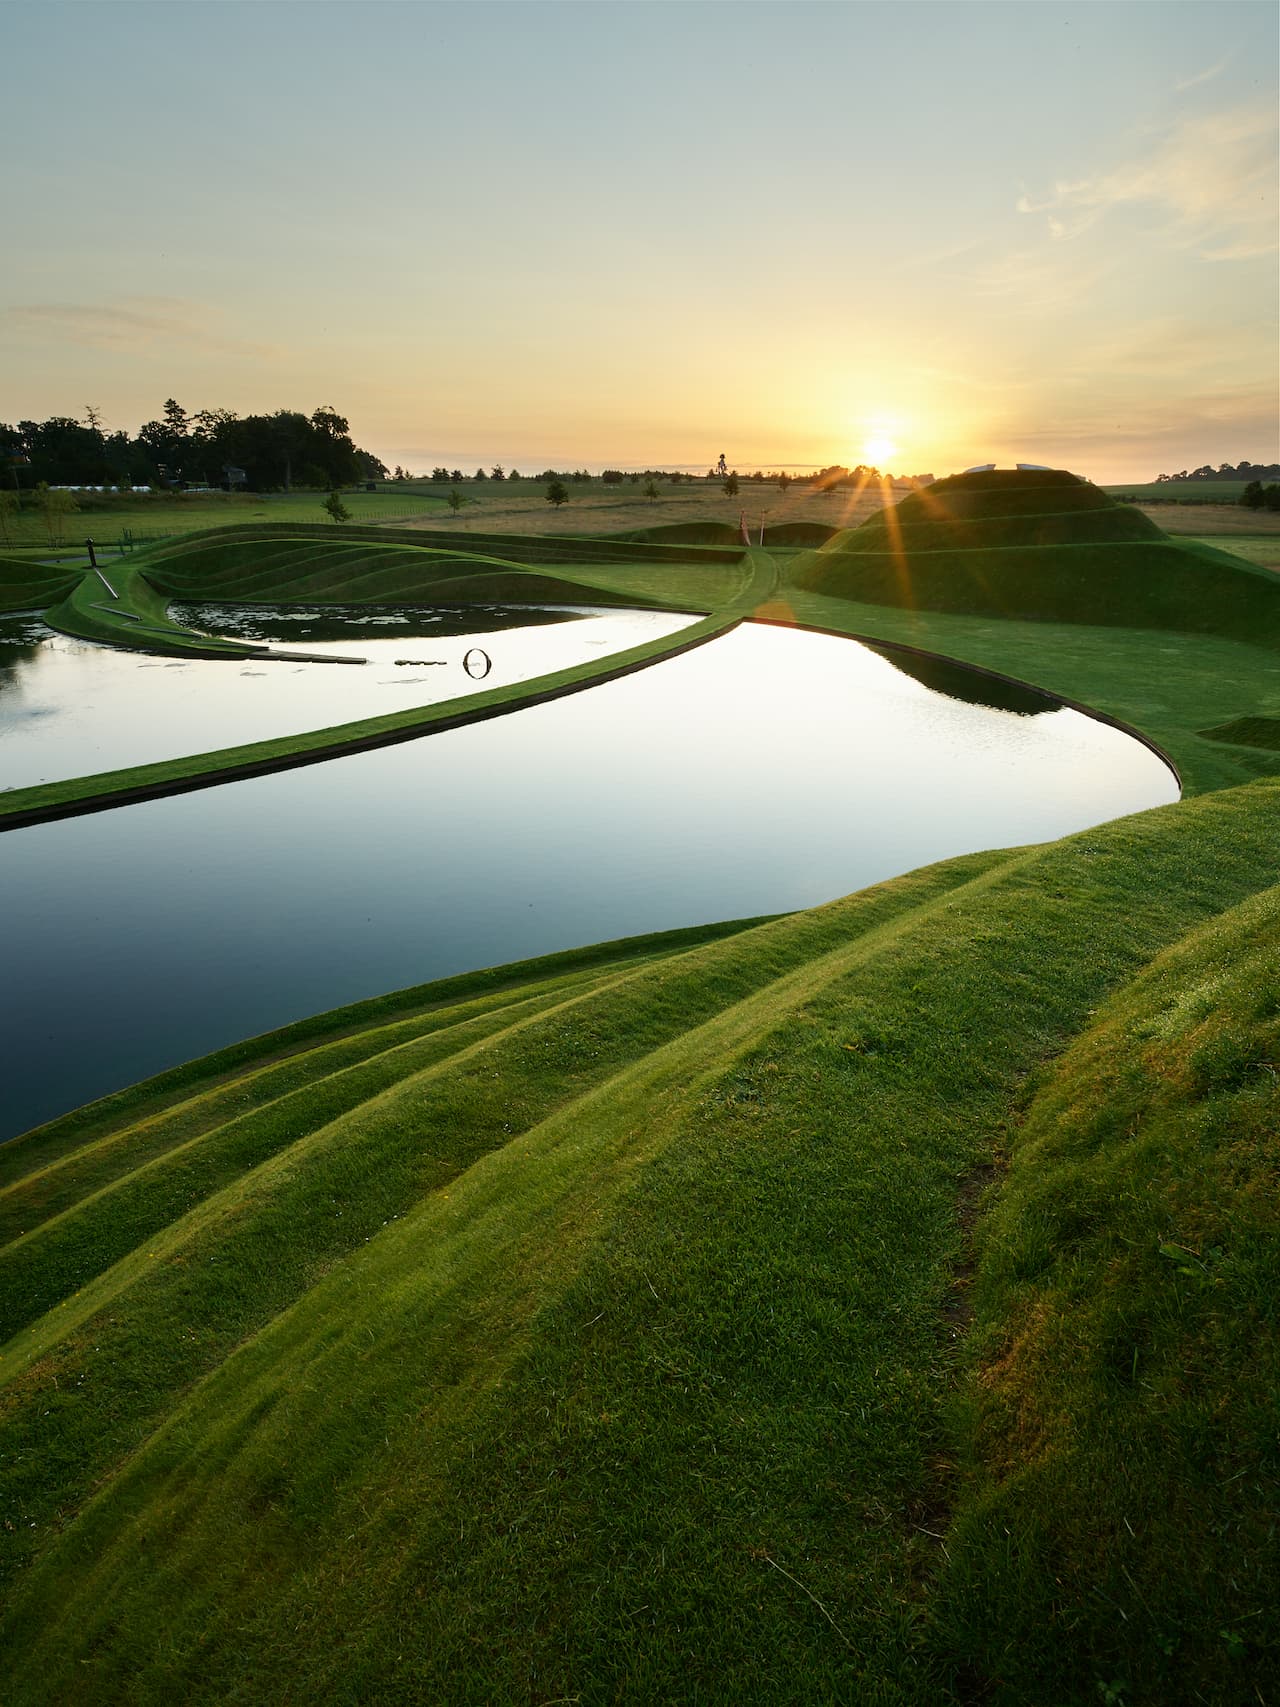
1179,492
160,515
873,1304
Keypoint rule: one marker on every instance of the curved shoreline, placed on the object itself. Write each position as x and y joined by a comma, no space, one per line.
18,810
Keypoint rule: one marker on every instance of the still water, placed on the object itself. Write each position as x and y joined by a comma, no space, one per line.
766,771
68,708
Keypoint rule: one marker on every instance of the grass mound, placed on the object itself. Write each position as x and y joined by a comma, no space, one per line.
535,549
788,535
603,1304
1261,732
1127,1465
684,533
27,585
281,571
975,549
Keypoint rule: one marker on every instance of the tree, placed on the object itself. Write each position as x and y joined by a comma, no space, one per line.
722,467
55,507
480,474
93,418
731,484
327,420
455,499
338,511
497,472
784,480
456,476
9,506
557,493
514,474
651,491
175,418
612,476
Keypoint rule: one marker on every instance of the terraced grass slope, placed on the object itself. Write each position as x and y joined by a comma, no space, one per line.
1125,1346
1041,548
28,585
368,565
590,1330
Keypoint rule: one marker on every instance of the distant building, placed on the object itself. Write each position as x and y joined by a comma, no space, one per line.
1035,467
981,468
233,477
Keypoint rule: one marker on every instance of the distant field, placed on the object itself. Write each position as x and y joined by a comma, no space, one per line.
506,506
1179,492
520,506
1252,534
156,516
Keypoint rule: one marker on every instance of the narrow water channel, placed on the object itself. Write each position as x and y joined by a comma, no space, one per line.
766,771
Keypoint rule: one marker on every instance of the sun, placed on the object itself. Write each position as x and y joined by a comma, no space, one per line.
879,450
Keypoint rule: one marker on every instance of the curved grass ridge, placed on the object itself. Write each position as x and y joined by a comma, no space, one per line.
45,802
627,1281
29,586
1125,1341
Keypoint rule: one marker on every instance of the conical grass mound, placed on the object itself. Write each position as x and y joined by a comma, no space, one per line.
1040,546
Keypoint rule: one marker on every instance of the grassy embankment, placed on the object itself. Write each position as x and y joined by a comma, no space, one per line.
362,567
635,1323
1208,511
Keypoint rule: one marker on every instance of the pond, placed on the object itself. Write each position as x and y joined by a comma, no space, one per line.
765,771
68,708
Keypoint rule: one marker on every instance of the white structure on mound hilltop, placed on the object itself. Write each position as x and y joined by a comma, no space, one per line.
981,468
1036,467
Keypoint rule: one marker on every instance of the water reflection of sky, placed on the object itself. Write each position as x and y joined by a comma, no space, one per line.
69,709
768,770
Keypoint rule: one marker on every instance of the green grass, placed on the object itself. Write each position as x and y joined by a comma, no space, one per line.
25,585
754,578
631,1297
159,515
1179,492
871,1304
1099,563
1124,1475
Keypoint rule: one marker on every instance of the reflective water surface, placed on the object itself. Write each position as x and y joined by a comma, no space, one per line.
68,708
766,771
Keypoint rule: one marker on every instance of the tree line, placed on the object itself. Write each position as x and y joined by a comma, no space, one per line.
212,447
1227,471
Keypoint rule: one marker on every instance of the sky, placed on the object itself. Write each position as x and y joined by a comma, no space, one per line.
641,234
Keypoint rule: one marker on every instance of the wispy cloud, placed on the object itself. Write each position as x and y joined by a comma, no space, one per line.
1038,282
1212,179
134,325
1199,77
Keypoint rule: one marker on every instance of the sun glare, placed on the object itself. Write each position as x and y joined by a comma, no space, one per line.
879,450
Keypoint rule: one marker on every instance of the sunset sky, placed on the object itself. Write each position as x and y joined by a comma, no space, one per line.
548,234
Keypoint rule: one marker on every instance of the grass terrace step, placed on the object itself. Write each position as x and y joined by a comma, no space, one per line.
660,1304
